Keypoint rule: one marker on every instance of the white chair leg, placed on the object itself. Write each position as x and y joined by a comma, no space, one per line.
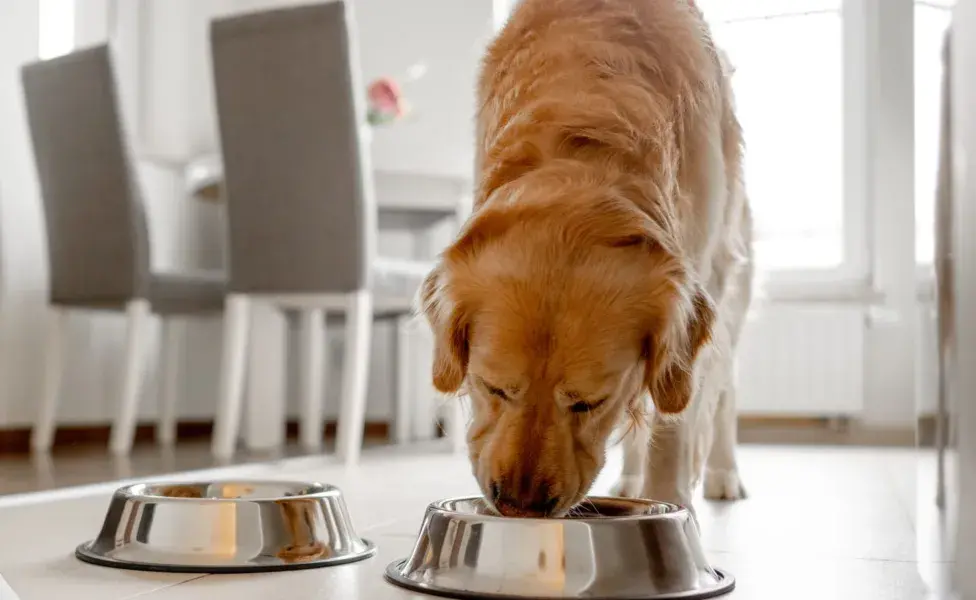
264,429
404,377
42,435
355,368
312,336
227,421
124,428
169,384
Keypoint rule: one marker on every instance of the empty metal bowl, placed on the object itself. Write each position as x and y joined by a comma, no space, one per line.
226,527
608,548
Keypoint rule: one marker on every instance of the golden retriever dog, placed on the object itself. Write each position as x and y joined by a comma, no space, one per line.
606,259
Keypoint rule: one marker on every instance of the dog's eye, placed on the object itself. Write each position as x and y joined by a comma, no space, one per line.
585,407
497,392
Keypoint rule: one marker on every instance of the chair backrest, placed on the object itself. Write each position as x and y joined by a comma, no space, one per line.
291,110
98,244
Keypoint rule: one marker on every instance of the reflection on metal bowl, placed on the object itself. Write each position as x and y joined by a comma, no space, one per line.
226,527
608,548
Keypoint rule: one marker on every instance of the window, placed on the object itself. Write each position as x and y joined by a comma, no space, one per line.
789,90
56,28
931,20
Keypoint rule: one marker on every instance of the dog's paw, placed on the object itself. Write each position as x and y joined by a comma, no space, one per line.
628,486
722,484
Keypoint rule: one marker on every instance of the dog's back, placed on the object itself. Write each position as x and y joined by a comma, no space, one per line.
637,85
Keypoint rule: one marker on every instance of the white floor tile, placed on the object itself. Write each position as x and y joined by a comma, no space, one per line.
767,577
66,577
816,502
36,554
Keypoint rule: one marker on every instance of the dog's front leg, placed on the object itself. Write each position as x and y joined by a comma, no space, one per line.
722,473
670,474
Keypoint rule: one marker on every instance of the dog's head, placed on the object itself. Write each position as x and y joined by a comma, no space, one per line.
555,316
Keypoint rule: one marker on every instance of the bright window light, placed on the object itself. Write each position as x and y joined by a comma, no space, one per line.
788,86
56,27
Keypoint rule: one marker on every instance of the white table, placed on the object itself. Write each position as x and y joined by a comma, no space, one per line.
204,177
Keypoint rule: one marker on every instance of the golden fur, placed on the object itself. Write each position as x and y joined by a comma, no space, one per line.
608,164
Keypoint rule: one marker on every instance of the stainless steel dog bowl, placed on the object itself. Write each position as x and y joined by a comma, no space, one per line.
609,548
225,527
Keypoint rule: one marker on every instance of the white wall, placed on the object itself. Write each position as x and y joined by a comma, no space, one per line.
887,29
446,37
22,270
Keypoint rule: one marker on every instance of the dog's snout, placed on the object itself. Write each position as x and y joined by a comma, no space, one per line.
527,501
545,505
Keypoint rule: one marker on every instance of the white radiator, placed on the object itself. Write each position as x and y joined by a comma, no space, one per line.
802,360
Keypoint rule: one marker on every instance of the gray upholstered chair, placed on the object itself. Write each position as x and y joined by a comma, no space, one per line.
98,243
300,204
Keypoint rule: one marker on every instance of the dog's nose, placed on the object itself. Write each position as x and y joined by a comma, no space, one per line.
528,502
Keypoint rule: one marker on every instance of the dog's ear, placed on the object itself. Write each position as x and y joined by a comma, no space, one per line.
680,312
449,318
450,328
672,350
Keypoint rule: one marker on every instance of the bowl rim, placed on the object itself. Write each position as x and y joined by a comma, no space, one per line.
85,554
676,511
133,491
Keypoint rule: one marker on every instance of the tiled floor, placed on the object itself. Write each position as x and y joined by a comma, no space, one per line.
823,524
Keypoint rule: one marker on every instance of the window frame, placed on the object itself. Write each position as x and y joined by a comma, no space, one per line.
870,44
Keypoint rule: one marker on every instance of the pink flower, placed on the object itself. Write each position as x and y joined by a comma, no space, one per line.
384,96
